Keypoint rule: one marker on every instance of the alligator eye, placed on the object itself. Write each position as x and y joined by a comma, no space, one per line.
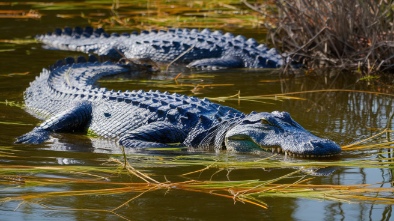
265,121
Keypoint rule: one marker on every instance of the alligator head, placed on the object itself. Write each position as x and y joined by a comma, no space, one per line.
277,132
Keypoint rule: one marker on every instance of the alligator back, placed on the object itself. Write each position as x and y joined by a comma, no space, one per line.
115,113
203,49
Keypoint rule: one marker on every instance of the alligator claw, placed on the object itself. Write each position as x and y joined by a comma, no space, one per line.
36,136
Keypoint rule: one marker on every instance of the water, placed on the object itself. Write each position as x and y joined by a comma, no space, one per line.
343,116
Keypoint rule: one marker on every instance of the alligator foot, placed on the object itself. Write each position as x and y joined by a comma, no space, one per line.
36,136
72,119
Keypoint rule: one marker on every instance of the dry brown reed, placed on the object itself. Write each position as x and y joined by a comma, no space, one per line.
347,34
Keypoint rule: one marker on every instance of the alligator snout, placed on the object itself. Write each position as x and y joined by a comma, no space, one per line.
277,132
323,147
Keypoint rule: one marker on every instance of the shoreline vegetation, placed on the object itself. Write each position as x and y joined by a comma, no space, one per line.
355,35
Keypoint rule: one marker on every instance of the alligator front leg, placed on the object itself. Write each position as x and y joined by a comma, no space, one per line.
158,134
75,118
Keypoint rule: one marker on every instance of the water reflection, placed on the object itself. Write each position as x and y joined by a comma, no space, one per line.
351,113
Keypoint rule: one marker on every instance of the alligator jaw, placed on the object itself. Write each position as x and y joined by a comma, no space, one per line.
275,149
279,150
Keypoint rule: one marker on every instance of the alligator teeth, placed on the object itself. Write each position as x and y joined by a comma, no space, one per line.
290,154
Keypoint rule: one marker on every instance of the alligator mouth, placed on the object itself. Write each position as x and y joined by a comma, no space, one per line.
279,150
276,149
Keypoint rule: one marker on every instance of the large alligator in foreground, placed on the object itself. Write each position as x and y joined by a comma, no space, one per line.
66,96
201,50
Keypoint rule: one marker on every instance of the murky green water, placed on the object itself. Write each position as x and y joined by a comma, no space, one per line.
65,163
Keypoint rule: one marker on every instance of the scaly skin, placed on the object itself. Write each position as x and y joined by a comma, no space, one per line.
202,50
67,98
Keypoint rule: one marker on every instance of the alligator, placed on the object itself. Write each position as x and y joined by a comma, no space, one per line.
68,97
200,50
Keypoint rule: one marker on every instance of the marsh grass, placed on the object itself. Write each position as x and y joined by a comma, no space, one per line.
143,14
20,14
105,180
214,14
354,35
292,95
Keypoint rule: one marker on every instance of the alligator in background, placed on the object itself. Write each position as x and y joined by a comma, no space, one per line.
66,96
201,50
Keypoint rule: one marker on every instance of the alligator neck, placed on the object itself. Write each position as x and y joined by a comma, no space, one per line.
209,133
